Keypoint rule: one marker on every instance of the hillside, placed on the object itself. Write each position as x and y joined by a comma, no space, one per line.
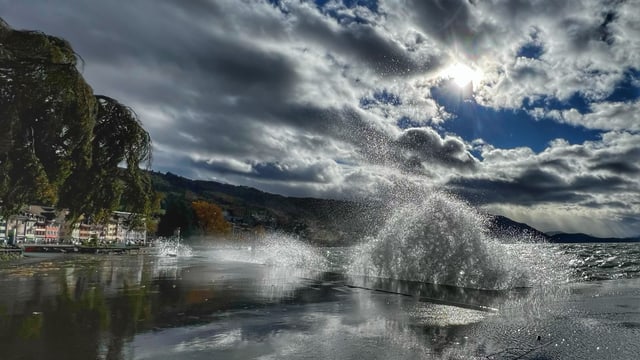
504,228
330,222
584,238
322,221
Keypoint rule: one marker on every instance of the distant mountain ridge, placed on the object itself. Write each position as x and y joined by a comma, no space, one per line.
582,238
324,221
504,228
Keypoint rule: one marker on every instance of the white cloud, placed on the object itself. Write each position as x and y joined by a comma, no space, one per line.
270,96
591,186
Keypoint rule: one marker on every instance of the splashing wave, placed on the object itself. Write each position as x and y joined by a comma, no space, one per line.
173,248
440,240
280,250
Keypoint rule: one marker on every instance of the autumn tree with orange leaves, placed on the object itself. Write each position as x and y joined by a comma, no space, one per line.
210,219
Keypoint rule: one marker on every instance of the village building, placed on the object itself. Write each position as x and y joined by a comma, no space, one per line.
41,224
3,231
52,232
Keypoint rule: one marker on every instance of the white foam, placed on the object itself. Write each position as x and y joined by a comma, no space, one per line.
173,247
441,240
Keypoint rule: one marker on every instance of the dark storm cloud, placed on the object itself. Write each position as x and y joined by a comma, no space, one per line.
310,173
540,179
539,186
365,44
518,192
618,167
218,167
617,162
574,152
414,150
196,8
423,145
238,92
594,184
619,205
447,20
315,173
560,165
243,70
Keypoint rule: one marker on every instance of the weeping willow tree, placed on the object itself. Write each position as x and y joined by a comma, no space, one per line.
60,144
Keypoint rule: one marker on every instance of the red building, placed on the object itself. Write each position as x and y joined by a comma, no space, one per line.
52,232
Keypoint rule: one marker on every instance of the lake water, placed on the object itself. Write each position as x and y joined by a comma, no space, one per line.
226,304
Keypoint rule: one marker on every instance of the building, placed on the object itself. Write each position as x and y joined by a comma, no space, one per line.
3,231
42,224
52,232
40,229
110,232
124,230
21,228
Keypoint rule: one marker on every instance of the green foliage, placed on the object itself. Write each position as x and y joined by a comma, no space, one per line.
178,214
62,144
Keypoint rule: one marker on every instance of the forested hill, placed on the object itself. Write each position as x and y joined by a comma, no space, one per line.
503,227
322,221
330,222
327,222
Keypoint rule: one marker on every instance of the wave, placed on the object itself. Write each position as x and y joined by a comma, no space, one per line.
439,239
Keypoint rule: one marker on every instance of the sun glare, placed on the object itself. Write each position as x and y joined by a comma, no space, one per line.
462,74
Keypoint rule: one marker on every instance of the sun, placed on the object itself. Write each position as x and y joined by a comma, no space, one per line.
462,75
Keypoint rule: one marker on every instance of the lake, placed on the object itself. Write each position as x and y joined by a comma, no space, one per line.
219,304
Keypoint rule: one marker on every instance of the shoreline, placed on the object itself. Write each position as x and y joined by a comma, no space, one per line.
35,251
8,254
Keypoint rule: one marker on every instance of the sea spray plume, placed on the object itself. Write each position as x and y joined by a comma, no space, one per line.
288,263
278,249
441,240
173,247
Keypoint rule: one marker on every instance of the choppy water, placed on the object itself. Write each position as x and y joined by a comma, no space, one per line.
608,261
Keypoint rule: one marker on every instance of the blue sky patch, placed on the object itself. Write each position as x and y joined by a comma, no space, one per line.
344,18
369,4
509,128
531,51
628,89
575,101
381,97
408,123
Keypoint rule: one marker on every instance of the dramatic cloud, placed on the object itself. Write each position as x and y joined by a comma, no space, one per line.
343,98
592,179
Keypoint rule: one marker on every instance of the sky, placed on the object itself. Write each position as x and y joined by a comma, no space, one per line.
528,109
